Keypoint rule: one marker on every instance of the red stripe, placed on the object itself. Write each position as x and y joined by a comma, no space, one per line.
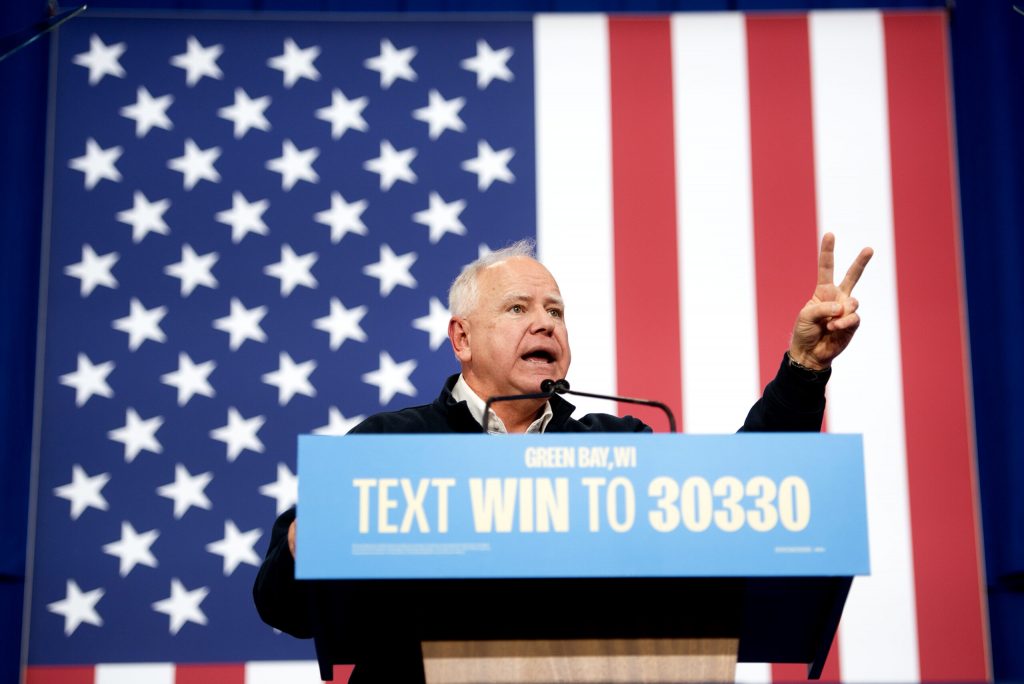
943,505
793,672
231,673
785,216
59,674
342,673
643,190
782,169
234,673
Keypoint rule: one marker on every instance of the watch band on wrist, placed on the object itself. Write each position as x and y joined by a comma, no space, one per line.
799,366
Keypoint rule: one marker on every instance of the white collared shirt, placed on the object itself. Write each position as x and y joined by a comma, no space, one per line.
462,392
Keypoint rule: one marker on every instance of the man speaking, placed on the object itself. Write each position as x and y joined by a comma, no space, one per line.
508,332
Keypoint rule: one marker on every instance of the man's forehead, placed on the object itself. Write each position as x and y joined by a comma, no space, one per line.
523,271
547,295
521,275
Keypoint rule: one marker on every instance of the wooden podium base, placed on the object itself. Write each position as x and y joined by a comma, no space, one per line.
650,661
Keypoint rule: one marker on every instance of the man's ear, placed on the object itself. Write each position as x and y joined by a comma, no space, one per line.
458,334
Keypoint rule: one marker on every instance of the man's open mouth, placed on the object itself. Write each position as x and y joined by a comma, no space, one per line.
538,356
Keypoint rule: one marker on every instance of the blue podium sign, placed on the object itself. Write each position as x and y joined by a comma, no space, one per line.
581,505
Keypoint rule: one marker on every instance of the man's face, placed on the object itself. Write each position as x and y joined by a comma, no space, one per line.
515,337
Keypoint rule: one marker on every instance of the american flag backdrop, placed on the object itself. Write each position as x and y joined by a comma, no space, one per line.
253,224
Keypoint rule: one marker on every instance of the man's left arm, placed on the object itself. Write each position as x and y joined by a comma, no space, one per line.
795,400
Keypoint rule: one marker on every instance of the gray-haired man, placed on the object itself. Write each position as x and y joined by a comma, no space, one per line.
508,332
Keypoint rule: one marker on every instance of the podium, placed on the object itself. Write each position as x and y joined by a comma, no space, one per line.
581,558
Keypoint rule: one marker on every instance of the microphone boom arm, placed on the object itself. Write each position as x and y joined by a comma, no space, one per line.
631,400
549,388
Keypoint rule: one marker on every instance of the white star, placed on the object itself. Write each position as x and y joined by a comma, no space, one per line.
392,64
132,548
295,165
291,378
137,434
240,434
236,547
342,324
244,217
199,61
195,164
441,217
392,270
284,490
482,250
344,113
193,270
343,217
93,270
242,324
98,164
83,491
148,112
101,59
293,270
434,323
145,217
88,379
337,424
488,64
186,491
392,165
391,378
489,165
141,324
182,605
246,113
190,379
441,114
296,63
77,607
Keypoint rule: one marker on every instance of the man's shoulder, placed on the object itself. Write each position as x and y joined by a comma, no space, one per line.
444,414
423,418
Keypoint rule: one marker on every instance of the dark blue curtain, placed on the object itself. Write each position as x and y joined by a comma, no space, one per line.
23,122
988,62
988,67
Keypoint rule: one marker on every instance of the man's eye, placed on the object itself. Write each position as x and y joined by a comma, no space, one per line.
555,313
516,308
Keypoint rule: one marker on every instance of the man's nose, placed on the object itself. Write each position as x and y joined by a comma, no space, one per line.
541,323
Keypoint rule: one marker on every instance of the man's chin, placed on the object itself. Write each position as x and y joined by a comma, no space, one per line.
531,378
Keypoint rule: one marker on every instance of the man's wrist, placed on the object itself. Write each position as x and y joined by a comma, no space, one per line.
805,364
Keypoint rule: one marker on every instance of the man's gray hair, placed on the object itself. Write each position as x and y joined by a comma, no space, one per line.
463,293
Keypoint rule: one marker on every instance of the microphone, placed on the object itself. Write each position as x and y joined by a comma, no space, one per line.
545,393
559,386
562,387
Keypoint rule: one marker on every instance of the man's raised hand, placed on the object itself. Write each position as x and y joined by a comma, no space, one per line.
828,321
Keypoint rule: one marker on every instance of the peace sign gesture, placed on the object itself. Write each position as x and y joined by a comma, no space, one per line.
828,321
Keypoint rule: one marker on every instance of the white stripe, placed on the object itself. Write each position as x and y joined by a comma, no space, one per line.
134,673
718,314
574,190
878,638
753,673
276,671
